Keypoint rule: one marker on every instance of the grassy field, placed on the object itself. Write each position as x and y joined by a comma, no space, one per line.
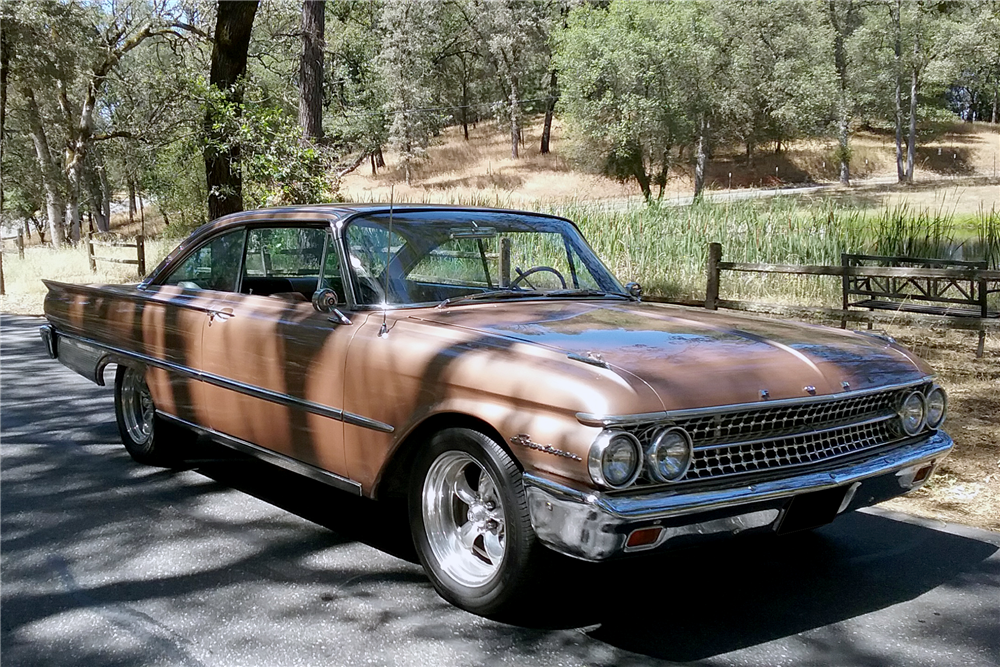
665,246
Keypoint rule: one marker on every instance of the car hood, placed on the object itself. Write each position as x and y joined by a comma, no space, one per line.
696,358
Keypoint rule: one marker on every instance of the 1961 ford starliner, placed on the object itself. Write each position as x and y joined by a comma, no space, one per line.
488,367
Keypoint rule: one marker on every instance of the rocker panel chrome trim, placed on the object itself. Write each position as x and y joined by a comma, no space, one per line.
589,419
249,390
280,460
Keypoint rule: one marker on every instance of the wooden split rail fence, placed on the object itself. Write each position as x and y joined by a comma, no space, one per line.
920,292
140,252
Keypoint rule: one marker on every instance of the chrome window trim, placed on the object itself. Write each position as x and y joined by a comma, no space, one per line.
249,390
270,456
590,419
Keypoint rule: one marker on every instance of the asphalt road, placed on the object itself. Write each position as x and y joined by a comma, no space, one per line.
232,562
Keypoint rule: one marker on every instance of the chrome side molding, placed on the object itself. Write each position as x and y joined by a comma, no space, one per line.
89,358
280,460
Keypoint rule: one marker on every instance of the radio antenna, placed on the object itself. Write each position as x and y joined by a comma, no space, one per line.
384,331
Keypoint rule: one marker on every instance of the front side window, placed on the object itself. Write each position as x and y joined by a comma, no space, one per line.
290,262
213,266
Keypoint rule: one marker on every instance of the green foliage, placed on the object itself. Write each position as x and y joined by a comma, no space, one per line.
279,168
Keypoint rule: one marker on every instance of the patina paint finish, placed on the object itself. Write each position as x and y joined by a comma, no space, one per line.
516,366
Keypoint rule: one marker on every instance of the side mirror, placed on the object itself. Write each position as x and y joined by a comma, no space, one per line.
324,300
634,290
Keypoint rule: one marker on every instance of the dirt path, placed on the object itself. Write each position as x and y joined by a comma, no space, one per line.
966,488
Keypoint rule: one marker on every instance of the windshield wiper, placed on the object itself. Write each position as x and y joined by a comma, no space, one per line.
529,294
581,292
488,295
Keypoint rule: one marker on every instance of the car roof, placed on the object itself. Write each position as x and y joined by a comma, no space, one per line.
342,211
313,212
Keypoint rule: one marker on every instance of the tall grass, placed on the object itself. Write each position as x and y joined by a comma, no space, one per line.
665,247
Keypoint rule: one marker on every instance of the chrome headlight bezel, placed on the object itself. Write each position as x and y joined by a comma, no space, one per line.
653,459
603,445
935,423
919,397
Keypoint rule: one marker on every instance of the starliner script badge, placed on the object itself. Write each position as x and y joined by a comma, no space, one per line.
525,441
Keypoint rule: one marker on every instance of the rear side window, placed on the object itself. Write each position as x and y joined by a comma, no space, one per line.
285,252
213,266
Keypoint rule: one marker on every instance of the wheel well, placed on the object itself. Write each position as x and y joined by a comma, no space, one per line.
396,473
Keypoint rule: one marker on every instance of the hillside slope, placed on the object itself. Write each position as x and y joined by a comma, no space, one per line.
480,170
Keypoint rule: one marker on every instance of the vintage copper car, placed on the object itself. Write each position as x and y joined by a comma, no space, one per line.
488,367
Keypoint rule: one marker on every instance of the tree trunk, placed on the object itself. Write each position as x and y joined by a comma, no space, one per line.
911,146
72,220
515,120
379,158
131,201
4,69
840,28
95,198
229,62
465,102
844,150
49,170
900,173
311,69
550,109
701,162
106,194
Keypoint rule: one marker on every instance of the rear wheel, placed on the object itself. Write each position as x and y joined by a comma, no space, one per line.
470,521
147,438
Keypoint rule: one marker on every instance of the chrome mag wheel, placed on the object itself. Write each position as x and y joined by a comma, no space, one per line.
464,519
147,437
471,526
138,412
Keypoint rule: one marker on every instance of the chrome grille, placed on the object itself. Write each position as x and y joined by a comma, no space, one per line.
788,451
769,422
769,437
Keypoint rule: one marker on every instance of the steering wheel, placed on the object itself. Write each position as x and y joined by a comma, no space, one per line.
522,275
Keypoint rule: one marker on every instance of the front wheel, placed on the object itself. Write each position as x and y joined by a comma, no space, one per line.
470,521
145,436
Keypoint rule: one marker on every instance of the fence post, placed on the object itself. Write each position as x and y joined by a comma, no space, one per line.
845,282
140,251
20,246
980,349
90,253
3,289
712,288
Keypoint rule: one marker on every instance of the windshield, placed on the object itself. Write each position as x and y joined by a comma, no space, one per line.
436,256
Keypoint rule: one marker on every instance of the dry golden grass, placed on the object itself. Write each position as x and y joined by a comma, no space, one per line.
25,291
481,169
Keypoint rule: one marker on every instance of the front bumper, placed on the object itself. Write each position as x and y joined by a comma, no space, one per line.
593,526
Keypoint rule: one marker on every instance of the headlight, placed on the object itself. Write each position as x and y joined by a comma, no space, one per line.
912,413
615,459
669,455
937,406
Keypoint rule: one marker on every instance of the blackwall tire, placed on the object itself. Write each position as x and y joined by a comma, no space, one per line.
470,522
147,438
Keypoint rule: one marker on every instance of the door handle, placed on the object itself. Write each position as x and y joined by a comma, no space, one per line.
222,315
